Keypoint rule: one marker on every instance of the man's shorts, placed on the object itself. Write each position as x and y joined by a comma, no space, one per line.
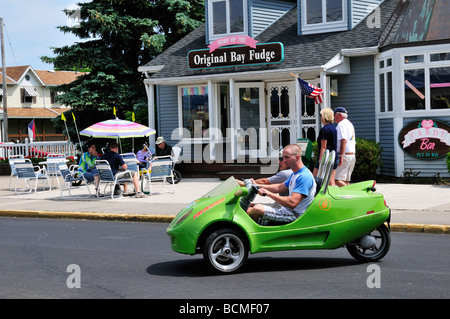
344,172
277,214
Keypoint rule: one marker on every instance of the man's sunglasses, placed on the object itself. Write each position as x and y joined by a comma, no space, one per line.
284,157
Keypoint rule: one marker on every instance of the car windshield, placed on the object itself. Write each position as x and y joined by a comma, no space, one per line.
223,188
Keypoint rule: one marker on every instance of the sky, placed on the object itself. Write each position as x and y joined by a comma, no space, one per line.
30,30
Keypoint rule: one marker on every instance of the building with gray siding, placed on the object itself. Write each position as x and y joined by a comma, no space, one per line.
353,50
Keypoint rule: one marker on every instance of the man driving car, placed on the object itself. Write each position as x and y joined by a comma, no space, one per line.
300,185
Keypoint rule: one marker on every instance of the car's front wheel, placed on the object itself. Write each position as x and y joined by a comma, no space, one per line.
225,250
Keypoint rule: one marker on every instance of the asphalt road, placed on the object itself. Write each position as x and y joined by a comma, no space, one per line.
49,258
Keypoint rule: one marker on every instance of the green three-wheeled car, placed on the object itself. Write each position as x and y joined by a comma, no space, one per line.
217,225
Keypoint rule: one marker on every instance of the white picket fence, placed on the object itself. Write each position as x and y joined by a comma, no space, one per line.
37,149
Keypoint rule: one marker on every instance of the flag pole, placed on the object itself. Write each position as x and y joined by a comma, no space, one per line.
5,94
133,119
65,124
76,128
294,75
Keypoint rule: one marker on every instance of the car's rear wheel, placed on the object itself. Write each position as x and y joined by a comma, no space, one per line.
371,247
225,250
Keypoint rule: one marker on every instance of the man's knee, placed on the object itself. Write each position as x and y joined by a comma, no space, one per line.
256,211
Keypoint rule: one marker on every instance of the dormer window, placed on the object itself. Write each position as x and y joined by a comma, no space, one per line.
323,16
227,17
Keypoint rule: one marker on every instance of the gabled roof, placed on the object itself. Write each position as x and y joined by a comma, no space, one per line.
414,24
301,52
51,78
14,74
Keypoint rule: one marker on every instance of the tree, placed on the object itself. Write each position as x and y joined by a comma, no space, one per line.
117,37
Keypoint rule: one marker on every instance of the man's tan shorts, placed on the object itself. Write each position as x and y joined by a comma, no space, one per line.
344,172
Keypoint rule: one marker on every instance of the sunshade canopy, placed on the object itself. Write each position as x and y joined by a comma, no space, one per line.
117,128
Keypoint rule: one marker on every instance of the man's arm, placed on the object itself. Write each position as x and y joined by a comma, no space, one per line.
260,181
291,201
342,151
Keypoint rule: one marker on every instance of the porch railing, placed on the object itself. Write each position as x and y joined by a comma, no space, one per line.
37,149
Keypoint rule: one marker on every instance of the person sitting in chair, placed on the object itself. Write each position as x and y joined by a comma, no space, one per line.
87,165
163,149
116,161
143,156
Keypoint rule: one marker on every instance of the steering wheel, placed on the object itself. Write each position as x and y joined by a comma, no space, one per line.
252,192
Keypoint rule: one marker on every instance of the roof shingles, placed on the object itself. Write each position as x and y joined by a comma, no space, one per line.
300,50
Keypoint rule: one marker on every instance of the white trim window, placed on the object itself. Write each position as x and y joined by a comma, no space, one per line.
426,78
194,110
324,16
227,17
385,93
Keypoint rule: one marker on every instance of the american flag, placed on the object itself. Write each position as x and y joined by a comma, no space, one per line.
310,90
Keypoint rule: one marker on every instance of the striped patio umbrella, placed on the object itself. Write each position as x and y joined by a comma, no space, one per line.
117,128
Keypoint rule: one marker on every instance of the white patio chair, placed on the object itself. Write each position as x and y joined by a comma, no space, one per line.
161,169
52,163
69,178
107,177
26,171
12,160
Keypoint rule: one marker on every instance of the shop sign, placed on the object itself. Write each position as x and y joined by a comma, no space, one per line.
425,139
235,56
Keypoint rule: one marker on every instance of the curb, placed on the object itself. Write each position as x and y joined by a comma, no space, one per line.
403,228
421,228
87,216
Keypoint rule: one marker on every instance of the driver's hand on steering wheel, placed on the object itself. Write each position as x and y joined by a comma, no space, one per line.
262,192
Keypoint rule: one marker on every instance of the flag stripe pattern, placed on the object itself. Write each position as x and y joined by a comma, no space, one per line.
310,90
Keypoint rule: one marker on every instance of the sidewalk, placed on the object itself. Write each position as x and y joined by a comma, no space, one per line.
417,208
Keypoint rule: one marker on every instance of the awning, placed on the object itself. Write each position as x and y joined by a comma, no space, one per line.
29,91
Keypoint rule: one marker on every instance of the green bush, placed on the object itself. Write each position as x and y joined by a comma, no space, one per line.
368,159
448,161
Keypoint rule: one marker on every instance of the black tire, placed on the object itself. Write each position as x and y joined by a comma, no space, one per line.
177,177
377,251
225,250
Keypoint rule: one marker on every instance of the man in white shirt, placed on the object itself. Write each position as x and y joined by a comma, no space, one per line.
346,147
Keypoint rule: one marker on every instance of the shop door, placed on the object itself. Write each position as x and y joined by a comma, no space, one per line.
282,124
250,120
310,117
